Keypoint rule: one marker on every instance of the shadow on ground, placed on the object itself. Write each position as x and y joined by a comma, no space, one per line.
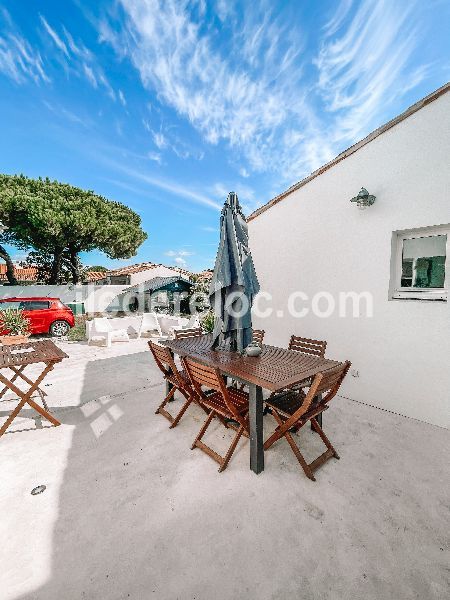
141,516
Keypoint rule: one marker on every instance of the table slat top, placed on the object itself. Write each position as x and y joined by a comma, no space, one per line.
43,351
274,369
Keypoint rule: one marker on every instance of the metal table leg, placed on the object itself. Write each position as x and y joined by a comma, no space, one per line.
169,386
256,429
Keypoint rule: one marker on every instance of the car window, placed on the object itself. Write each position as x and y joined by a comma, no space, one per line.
10,304
34,305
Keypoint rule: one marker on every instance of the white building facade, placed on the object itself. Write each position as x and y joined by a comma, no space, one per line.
313,250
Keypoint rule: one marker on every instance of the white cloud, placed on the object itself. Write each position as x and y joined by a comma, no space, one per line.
18,59
54,36
178,190
160,140
365,66
179,256
90,75
155,156
243,172
122,98
253,94
178,253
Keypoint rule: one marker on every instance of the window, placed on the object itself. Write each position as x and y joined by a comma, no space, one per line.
421,263
34,305
10,304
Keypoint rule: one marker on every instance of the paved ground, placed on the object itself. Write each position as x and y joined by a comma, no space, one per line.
130,512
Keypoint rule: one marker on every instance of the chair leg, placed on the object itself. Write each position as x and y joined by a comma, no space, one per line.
161,410
275,436
299,456
325,440
205,426
182,411
231,449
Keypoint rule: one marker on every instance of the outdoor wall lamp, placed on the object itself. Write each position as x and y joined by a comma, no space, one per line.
363,199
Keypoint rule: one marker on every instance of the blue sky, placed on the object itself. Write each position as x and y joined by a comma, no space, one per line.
166,106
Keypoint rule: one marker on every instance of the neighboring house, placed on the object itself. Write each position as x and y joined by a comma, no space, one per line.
138,273
397,250
23,274
158,291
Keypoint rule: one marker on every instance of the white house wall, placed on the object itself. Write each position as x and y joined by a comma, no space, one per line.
158,271
315,240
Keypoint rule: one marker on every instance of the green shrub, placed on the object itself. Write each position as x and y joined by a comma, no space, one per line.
13,321
207,322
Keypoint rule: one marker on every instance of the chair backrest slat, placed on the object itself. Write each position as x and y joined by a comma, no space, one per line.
181,334
202,375
331,381
328,382
308,346
258,335
164,359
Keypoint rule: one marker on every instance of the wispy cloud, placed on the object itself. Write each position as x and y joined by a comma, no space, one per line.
357,69
18,59
54,36
253,94
90,76
179,256
175,189
122,98
79,60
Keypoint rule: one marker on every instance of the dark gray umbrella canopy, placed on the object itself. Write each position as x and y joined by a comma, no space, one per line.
234,283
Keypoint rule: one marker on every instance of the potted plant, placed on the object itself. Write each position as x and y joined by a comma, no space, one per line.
14,327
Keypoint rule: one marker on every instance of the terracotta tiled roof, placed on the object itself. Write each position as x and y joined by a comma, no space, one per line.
21,273
145,266
205,275
137,268
95,275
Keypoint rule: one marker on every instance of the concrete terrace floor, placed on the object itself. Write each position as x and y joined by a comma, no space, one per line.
131,512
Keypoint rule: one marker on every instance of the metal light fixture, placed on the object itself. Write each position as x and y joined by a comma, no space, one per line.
363,199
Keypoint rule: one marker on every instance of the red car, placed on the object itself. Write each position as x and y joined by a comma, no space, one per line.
47,315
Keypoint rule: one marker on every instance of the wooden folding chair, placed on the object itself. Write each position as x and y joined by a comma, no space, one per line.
307,346
222,403
292,410
177,379
181,334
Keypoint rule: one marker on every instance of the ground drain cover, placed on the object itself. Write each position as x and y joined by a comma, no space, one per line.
38,490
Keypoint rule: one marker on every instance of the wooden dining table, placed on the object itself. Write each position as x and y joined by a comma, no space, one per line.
275,369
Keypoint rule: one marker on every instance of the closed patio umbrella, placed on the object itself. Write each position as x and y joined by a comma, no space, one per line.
234,283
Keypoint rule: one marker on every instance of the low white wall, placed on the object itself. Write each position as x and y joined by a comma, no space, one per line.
96,298
316,240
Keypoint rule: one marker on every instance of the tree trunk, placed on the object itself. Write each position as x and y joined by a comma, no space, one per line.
9,267
74,265
56,267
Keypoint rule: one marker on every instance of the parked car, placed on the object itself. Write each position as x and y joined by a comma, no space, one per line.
47,315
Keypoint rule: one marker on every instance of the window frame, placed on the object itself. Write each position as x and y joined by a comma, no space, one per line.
415,293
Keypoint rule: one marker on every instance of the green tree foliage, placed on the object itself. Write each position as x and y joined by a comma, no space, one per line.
96,268
58,221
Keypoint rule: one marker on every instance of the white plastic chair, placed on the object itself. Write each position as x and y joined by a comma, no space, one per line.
101,328
191,323
149,322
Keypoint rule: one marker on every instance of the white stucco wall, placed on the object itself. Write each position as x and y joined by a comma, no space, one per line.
316,240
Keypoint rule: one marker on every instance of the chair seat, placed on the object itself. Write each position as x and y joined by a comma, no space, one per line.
184,376
238,397
287,403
